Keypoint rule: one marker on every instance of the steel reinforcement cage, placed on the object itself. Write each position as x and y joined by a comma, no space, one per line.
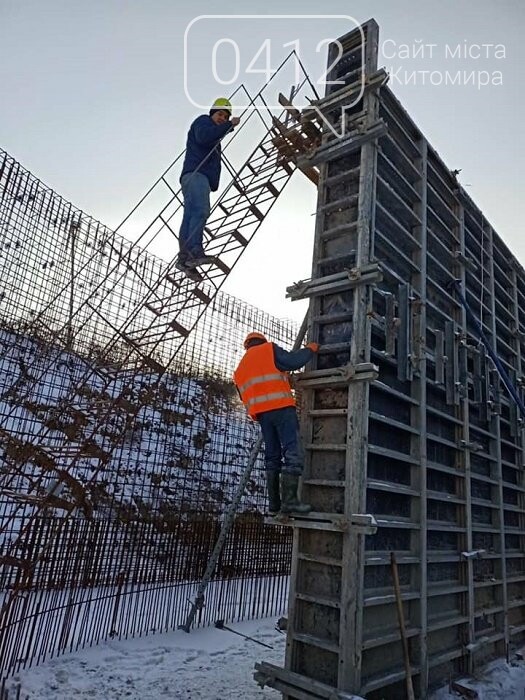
114,542
407,418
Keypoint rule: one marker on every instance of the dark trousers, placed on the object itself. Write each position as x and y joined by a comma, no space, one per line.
282,445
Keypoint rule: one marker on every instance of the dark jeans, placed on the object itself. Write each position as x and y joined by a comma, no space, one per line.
196,192
282,445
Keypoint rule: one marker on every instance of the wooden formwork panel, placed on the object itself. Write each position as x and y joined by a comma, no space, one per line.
433,446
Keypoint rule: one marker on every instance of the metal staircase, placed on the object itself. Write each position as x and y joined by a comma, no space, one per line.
176,303
48,471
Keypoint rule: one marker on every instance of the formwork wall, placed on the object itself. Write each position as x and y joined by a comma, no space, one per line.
433,445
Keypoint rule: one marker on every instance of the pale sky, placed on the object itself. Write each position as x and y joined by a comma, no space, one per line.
94,103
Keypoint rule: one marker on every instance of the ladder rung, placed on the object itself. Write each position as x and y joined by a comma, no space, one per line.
173,280
154,365
256,212
272,188
151,308
224,234
201,295
285,165
222,266
239,237
269,168
174,325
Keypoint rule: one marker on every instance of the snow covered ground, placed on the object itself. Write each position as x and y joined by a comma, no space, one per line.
207,664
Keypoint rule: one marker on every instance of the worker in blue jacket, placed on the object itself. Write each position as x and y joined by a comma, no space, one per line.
200,176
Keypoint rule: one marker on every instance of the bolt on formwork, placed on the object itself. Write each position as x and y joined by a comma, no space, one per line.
407,418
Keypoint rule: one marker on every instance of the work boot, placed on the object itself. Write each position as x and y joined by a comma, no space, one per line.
274,496
201,260
290,502
190,272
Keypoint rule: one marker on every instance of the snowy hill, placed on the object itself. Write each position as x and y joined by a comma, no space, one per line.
113,443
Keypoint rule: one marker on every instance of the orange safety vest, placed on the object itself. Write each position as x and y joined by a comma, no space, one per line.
261,385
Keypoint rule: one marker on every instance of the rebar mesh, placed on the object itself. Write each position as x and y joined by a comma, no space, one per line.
114,478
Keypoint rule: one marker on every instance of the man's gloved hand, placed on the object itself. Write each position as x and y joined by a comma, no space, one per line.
314,347
235,121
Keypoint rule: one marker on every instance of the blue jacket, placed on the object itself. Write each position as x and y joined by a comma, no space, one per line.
204,139
287,361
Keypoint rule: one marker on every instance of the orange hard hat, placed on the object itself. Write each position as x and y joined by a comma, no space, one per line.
254,336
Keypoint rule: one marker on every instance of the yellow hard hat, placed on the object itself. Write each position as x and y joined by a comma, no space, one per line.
253,336
222,103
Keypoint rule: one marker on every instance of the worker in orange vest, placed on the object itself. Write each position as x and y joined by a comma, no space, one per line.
265,390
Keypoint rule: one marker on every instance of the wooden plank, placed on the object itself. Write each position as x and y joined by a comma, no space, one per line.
463,690
292,111
401,620
312,174
298,682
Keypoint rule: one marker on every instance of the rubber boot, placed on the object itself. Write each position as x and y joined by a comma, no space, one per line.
274,495
290,503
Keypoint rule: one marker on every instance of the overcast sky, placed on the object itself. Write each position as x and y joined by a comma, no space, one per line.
93,101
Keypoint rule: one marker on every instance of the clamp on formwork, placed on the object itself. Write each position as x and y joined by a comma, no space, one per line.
338,100
297,686
365,371
344,145
348,278
363,524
